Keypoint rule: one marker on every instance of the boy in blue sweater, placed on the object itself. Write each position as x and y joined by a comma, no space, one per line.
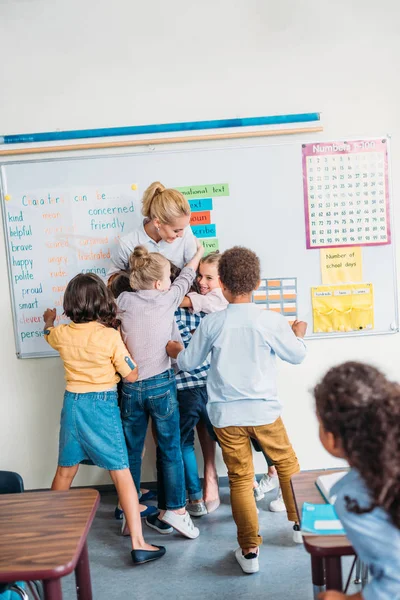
244,341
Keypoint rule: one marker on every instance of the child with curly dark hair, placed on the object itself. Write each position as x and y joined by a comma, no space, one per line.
359,419
94,357
244,341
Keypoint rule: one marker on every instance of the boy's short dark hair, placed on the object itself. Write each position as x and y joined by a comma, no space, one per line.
239,270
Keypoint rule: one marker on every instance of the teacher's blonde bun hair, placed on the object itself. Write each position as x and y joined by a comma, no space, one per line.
164,204
145,268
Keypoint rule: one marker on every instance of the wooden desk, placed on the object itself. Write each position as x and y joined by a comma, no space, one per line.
43,536
325,550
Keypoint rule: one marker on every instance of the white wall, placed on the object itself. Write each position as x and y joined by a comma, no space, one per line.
71,65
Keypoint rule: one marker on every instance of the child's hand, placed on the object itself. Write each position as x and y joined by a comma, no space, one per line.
200,248
49,316
186,303
173,348
299,328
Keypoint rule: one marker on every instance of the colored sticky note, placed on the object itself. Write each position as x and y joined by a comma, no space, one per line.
211,190
210,245
200,218
201,204
204,231
341,265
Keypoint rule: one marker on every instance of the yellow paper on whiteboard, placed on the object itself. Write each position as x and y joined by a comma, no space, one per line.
341,265
343,308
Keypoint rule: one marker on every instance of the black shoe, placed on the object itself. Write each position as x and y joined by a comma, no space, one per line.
118,513
150,495
154,522
139,557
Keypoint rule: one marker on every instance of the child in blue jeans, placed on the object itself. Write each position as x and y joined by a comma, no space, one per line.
192,398
192,387
147,323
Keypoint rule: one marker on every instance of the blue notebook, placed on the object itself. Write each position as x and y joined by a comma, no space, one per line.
320,519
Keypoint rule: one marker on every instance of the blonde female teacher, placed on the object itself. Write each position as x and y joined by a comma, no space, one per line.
165,229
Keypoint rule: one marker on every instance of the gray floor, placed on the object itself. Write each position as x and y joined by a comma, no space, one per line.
197,569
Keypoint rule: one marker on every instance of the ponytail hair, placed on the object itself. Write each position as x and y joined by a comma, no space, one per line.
164,204
361,408
145,268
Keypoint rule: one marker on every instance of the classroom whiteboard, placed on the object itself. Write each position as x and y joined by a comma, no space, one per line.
63,216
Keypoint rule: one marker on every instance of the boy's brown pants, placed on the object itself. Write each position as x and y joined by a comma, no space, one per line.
238,457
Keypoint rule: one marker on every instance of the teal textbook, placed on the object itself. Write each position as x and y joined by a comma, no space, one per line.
320,519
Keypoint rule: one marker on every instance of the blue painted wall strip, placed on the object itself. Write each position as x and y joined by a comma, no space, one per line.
53,136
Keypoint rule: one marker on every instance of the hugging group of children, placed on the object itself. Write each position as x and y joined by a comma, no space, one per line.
210,355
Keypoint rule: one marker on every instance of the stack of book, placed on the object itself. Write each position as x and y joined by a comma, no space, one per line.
321,519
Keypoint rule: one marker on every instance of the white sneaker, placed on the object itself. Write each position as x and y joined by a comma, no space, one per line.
258,493
277,505
196,509
268,483
182,523
248,563
297,537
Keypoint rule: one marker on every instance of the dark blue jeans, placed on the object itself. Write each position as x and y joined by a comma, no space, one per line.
155,397
192,408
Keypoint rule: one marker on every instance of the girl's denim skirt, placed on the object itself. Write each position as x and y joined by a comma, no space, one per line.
91,431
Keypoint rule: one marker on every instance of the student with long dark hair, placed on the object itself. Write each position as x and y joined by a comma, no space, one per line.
94,357
359,418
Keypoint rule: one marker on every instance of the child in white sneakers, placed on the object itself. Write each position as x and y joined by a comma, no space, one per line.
243,400
147,322
192,390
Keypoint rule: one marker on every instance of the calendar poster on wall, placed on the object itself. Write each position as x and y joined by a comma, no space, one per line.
346,193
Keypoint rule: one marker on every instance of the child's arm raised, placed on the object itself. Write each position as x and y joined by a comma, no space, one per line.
194,262
182,283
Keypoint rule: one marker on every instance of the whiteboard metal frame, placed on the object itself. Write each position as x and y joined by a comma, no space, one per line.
151,149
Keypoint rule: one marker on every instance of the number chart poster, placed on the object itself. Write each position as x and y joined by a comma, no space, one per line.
346,193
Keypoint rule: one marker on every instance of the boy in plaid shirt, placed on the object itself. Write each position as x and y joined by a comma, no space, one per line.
192,390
